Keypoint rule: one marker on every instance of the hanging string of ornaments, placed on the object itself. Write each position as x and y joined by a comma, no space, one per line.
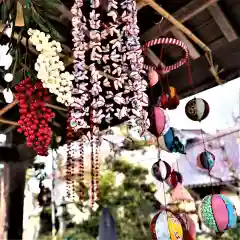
34,115
216,211
6,60
49,67
106,39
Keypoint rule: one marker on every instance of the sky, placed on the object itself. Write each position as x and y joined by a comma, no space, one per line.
223,101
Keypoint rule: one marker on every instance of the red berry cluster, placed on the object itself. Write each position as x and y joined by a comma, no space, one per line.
34,115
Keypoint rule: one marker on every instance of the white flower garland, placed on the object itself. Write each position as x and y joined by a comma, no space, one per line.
49,67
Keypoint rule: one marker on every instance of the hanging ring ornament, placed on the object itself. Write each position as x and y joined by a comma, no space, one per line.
161,170
167,41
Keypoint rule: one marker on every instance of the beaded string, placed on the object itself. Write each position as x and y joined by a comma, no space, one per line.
69,171
92,185
81,169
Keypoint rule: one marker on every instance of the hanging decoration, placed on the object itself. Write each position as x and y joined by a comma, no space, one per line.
218,213
165,226
189,227
111,51
197,109
180,193
174,178
158,121
167,41
34,115
206,160
167,97
170,100
171,143
50,69
161,170
6,60
108,86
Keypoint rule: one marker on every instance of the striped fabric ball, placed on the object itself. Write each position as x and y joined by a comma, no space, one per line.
157,121
217,212
197,109
206,160
166,226
161,170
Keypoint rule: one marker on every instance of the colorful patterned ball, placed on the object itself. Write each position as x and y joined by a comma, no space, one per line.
165,226
206,160
218,213
157,121
189,227
161,170
174,178
197,109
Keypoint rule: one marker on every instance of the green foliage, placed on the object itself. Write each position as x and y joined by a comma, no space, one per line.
233,234
131,202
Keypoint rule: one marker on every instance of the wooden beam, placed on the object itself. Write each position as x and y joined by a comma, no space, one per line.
178,24
154,58
223,23
140,5
8,107
182,15
192,50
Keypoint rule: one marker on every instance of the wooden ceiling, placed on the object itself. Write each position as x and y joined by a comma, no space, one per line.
216,23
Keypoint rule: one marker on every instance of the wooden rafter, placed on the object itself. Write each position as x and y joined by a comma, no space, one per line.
194,54
140,5
182,15
154,58
223,23
177,24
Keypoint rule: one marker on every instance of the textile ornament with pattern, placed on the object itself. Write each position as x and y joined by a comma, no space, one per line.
206,160
174,178
108,65
171,143
166,226
197,109
161,170
218,213
166,98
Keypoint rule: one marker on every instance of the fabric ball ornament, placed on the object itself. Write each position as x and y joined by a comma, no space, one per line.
206,160
197,109
157,121
170,143
189,227
165,226
180,193
161,170
153,77
218,213
174,179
